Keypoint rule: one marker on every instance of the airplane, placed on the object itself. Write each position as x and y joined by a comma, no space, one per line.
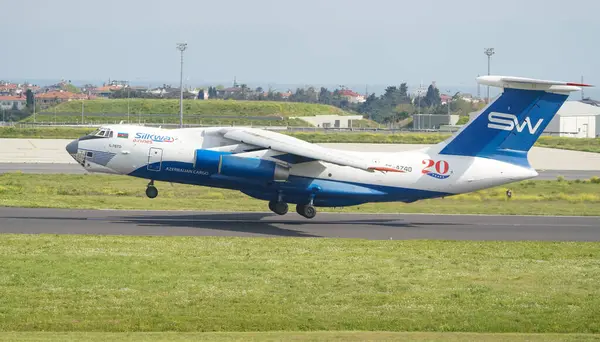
489,151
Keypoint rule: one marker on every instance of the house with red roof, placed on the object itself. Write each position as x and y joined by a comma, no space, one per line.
51,98
351,96
8,102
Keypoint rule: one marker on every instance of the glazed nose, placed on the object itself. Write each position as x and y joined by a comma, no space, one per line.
72,147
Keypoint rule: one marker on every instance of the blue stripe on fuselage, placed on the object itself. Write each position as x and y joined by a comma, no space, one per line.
296,190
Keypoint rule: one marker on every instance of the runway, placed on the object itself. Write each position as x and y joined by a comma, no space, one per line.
74,168
364,226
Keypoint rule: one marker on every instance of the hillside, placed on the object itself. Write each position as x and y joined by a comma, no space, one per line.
199,107
209,112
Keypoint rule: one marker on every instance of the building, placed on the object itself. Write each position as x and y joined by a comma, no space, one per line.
434,121
12,102
8,89
330,121
351,96
445,98
591,102
55,97
575,119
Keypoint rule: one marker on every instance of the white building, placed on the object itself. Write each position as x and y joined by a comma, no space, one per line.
433,121
330,121
10,102
575,119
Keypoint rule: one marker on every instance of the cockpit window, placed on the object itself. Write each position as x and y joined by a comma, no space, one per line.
99,133
103,132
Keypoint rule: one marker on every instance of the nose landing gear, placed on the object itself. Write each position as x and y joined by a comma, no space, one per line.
151,190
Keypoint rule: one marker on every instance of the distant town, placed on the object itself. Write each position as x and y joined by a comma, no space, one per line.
395,104
421,108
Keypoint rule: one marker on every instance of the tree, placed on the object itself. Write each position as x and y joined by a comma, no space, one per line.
432,97
404,92
201,94
29,97
325,96
212,93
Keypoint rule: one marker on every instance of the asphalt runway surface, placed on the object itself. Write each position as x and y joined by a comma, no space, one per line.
47,168
364,226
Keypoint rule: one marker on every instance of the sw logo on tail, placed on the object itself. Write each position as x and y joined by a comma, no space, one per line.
508,122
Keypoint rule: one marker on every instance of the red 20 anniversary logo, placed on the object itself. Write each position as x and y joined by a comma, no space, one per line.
441,168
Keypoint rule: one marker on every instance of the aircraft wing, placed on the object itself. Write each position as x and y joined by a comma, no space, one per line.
286,144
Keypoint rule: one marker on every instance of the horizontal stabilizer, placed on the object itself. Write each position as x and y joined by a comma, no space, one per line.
530,83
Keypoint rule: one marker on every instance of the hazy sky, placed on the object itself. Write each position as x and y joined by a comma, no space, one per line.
299,42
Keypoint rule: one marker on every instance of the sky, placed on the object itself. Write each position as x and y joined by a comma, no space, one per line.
307,42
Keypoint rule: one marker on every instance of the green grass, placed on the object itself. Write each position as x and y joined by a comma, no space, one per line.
293,336
174,118
588,145
151,284
195,111
45,132
98,191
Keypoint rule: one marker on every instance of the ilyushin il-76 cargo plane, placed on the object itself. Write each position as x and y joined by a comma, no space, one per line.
489,151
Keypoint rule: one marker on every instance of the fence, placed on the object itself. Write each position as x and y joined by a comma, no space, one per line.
381,129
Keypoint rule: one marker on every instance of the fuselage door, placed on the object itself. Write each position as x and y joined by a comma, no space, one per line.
154,159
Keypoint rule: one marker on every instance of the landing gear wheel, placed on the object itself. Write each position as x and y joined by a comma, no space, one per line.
306,210
151,191
279,208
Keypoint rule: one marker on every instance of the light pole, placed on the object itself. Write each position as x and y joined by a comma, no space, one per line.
489,52
128,104
82,111
181,47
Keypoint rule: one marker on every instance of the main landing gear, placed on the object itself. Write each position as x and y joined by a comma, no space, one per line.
279,207
306,210
151,190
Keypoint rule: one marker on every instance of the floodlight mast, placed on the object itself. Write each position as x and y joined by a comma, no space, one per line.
181,47
489,52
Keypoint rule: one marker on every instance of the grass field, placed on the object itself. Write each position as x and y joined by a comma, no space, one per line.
205,107
292,336
58,283
588,145
121,192
195,112
93,119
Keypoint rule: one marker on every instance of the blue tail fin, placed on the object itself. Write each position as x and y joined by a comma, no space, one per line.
508,127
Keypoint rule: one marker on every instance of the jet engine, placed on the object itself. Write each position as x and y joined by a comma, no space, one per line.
227,164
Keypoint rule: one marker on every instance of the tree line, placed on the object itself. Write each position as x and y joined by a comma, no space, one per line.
393,106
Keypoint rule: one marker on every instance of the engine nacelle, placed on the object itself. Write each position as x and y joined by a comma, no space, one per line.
226,164
207,160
